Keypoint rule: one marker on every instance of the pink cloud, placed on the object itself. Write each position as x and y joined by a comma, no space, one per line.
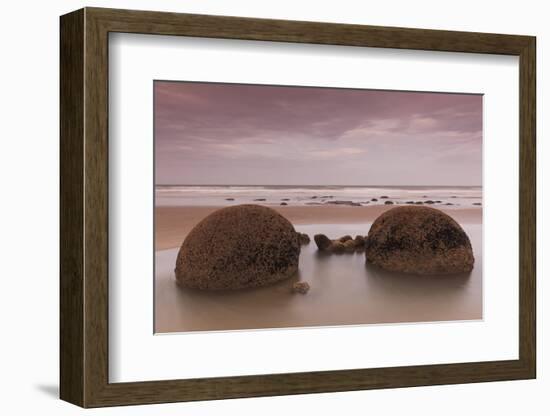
201,129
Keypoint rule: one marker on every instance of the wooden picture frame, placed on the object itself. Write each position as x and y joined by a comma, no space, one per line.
84,207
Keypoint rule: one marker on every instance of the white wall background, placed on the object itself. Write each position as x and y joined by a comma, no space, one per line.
29,211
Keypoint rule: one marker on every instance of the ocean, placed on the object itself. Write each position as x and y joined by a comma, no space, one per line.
304,195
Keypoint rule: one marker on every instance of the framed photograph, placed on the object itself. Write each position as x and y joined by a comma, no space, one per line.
254,207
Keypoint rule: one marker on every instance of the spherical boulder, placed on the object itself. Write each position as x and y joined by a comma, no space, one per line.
419,240
238,247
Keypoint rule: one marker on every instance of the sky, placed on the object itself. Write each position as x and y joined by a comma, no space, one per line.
239,134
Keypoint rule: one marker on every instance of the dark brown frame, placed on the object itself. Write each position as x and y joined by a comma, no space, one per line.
84,210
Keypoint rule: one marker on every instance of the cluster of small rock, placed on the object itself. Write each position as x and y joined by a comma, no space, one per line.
345,244
388,202
321,200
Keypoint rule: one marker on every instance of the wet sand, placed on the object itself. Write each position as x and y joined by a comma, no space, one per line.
344,291
173,223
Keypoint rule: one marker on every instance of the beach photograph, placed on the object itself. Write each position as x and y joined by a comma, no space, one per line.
296,207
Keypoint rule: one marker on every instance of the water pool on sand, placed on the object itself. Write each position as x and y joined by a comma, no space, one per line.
344,291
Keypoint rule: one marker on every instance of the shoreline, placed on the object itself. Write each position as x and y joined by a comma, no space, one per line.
173,223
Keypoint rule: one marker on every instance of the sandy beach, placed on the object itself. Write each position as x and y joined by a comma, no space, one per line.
344,291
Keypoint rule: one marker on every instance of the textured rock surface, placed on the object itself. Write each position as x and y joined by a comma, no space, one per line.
419,240
238,247
300,287
303,238
349,246
359,242
322,241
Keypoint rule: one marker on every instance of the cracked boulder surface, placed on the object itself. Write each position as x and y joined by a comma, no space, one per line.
419,240
238,247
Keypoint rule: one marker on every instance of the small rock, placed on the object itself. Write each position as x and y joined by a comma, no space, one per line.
345,238
429,201
374,200
304,238
419,202
448,203
300,287
314,197
476,203
260,199
323,242
349,246
388,203
409,202
229,199
338,202
384,197
350,203
284,203
285,199
337,247
360,242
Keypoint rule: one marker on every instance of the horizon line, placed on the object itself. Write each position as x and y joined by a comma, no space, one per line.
241,184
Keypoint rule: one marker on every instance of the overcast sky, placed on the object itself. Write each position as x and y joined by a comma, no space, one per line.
271,135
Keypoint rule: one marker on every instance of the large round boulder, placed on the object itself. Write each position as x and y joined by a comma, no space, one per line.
238,247
419,240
